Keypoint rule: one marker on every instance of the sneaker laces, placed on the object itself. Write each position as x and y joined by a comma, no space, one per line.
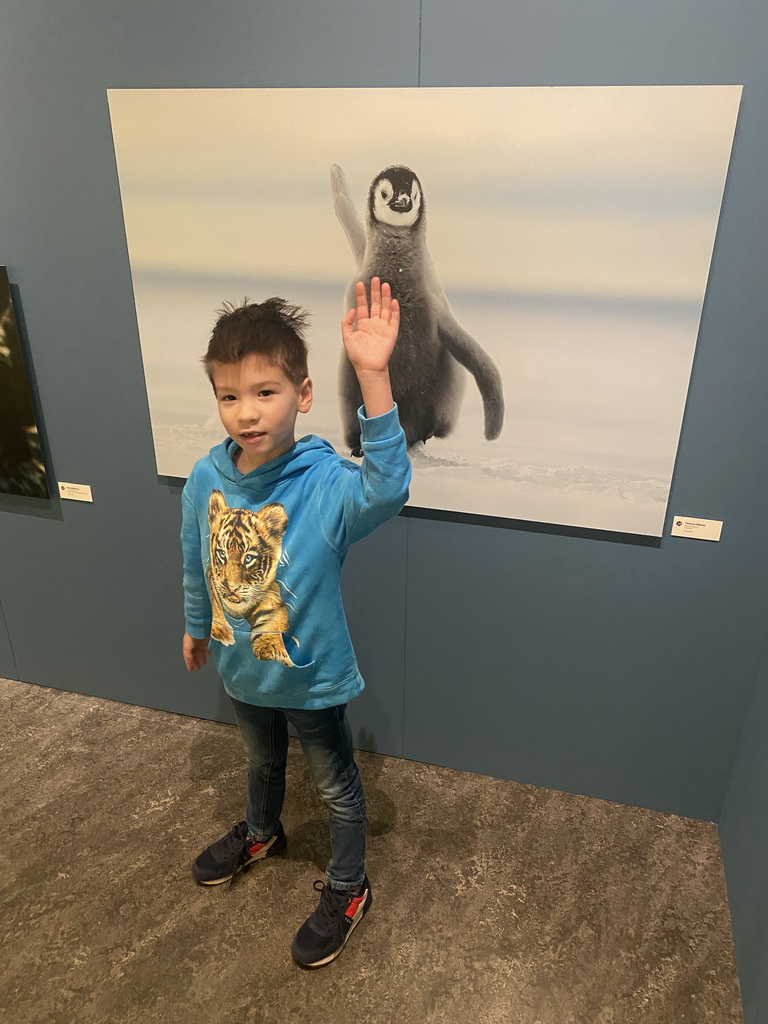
236,842
332,903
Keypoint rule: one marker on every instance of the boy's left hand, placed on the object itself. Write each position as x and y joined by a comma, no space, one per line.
369,343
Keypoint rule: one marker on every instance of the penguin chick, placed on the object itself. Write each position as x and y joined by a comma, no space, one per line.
427,381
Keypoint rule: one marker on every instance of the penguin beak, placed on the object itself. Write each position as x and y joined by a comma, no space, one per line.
402,204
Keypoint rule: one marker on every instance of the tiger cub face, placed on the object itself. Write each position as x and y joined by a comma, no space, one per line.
244,553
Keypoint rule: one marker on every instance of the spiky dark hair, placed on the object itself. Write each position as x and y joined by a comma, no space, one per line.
273,329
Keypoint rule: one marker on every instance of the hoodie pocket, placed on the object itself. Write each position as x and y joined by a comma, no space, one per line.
241,669
274,683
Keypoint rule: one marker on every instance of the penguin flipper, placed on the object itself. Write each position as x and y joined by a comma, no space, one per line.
474,358
347,215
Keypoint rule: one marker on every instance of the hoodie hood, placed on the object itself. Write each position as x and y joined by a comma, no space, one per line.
305,452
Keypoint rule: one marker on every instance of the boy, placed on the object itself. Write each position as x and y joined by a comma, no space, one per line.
267,522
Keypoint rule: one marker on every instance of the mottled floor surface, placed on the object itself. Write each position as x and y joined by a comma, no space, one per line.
494,903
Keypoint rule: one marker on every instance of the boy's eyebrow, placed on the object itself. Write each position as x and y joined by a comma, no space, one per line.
258,384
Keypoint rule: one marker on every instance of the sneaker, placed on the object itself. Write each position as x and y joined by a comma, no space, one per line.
233,853
325,932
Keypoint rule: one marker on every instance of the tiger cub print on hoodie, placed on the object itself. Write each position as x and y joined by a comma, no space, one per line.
245,550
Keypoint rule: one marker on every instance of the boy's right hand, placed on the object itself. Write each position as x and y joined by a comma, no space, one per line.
195,652
369,336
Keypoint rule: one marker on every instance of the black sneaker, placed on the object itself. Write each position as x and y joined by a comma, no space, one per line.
325,932
233,853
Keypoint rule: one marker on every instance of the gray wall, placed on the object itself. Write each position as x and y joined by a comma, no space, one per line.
553,657
744,838
7,663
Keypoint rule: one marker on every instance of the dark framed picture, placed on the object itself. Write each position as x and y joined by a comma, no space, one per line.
22,470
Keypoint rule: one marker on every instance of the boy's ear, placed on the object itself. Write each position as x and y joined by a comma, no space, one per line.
305,395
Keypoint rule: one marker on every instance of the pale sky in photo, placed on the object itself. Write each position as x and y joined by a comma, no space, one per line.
593,191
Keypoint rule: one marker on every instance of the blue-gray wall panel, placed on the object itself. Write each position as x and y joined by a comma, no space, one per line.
60,52
594,42
7,663
744,838
373,586
577,664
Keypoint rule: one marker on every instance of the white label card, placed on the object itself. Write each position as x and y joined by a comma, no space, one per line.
699,529
75,492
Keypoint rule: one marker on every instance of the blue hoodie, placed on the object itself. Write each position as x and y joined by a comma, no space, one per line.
262,559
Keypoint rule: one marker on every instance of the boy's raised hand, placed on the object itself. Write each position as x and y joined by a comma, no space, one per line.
369,336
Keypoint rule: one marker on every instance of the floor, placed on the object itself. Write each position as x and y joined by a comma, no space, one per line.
494,902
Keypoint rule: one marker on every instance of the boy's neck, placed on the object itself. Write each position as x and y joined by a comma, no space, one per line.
246,465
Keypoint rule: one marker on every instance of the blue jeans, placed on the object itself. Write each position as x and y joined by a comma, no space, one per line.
326,740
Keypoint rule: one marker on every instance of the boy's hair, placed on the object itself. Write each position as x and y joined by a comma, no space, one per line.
273,329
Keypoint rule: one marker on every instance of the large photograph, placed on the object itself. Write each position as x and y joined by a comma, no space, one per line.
550,248
21,463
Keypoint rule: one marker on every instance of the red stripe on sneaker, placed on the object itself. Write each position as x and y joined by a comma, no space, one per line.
354,905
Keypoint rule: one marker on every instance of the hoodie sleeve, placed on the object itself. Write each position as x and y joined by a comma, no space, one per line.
356,499
197,603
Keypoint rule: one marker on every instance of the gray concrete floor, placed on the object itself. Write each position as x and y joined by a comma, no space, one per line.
494,903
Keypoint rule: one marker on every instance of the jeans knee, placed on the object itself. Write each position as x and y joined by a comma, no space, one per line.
350,812
345,803
265,766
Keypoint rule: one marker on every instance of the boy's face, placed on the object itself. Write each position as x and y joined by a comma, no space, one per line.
258,407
